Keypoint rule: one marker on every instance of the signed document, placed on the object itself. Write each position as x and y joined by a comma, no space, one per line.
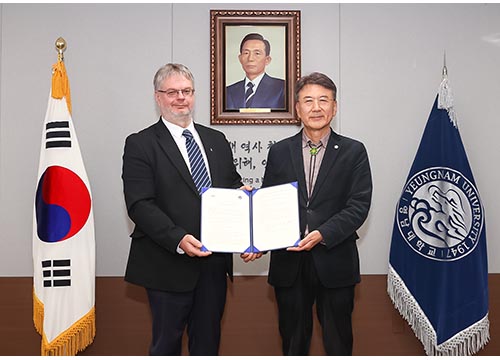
239,221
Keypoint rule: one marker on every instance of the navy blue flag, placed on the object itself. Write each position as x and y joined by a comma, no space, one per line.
438,268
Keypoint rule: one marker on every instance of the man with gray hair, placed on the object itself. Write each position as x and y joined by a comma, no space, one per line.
335,187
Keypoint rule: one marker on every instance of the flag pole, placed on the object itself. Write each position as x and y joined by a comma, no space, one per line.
445,69
445,98
61,47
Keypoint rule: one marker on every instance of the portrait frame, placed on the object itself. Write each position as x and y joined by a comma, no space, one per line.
227,28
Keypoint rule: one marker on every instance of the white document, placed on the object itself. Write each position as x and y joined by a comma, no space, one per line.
239,221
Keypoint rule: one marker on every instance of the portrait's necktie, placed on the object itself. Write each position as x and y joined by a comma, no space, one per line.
314,150
248,94
199,171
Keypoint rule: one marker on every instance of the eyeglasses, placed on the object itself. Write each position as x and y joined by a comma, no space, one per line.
172,93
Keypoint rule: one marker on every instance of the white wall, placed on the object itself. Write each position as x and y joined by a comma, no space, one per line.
385,58
391,63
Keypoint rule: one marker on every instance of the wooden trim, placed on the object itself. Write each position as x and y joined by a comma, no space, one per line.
249,325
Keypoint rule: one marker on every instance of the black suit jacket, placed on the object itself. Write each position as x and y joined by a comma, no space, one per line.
164,204
338,207
269,94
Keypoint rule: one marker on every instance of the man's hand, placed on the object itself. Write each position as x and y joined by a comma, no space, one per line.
247,257
307,243
246,187
192,247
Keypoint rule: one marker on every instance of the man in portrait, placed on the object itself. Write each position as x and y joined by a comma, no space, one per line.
257,89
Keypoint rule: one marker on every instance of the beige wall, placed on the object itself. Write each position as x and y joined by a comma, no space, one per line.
385,58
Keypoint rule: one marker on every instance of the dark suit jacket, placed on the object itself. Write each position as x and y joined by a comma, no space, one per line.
164,204
338,207
269,94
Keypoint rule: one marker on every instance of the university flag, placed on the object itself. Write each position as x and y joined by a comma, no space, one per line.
438,269
63,233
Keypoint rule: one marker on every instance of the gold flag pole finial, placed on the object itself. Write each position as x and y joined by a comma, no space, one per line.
60,83
61,47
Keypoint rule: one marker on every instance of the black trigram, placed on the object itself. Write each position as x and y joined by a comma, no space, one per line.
56,273
57,135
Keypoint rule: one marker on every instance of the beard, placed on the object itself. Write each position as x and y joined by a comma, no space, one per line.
178,117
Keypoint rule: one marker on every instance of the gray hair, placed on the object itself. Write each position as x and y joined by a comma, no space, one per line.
169,70
315,78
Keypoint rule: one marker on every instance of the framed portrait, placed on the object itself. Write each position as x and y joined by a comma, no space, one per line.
254,65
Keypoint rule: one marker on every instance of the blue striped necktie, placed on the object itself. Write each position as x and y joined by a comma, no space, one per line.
248,94
198,169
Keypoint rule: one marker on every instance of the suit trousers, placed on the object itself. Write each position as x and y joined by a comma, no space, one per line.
201,310
334,308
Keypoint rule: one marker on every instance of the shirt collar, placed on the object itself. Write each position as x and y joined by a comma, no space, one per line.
255,81
177,130
323,140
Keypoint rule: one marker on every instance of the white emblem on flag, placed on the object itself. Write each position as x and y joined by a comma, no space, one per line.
440,214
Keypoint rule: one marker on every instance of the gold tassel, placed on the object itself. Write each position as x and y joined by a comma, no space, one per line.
80,335
60,83
37,313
